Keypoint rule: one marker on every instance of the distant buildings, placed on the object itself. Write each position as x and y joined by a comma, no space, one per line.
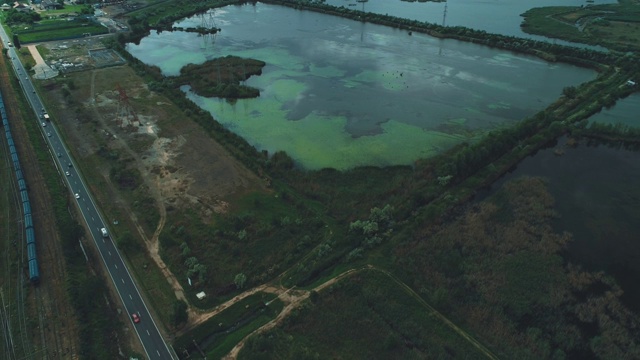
20,7
50,5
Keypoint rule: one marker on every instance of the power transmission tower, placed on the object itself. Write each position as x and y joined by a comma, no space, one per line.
444,16
125,116
208,22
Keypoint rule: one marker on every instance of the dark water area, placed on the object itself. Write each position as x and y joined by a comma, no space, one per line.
598,201
625,112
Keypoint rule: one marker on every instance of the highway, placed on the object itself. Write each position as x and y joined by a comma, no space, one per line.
147,330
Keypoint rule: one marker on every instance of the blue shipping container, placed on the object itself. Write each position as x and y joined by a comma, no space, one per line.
31,251
34,273
31,236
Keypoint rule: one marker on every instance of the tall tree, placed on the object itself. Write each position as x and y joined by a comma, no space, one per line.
16,41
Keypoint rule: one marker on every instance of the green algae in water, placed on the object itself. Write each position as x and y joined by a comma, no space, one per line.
460,121
362,84
171,65
326,71
277,57
286,89
499,105
317,141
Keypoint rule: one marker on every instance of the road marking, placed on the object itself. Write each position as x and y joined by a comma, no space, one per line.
115,265
148,333
158,351
122,280
92,218
130,297
109,253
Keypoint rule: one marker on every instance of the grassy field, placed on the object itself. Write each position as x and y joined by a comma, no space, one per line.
66,10
58,29
365,316
260,236
55,24
615,26
553,20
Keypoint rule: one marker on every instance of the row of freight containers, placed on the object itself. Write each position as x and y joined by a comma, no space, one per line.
34,272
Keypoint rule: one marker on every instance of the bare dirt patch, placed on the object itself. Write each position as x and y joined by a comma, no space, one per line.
111,110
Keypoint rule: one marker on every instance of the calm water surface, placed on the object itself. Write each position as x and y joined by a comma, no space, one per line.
339,93
625,112
493,16
598,199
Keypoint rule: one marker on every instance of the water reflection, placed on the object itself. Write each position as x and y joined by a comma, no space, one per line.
598,201
340,93
496,16
625,112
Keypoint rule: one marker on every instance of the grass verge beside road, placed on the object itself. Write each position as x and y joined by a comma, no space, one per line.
86,291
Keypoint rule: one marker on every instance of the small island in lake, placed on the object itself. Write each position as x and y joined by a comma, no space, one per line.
222,77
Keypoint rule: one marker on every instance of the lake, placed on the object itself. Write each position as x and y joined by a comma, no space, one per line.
340,93
493,16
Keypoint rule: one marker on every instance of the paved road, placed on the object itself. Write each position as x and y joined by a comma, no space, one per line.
153,343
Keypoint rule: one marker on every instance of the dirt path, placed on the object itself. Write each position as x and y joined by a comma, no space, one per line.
152,242
294,298
197,318
286,295
41,69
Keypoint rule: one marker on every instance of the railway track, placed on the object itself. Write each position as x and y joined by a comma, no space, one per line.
51,301
8,273
13,314
54,332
